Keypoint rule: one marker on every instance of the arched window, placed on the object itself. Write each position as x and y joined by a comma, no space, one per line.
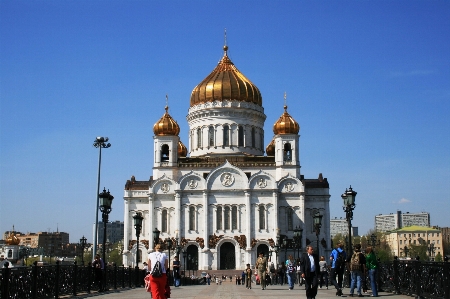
226,135
240,136
234,218
227,217
211,136
164,153
219,218
10,254
262,217
287,152
191,218
261,140
199,138
164,221
253,137
289,217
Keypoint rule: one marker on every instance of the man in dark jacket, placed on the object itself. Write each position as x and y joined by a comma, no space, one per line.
310,271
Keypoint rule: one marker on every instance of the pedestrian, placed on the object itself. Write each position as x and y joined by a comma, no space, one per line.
261,266
357,270
323,272
176,267
372,267
299,273
158,283
310,271
248,277
290,272
272,273
98,266
243,277
338,257
208,278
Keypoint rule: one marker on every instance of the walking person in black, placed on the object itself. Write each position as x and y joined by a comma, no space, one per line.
310,272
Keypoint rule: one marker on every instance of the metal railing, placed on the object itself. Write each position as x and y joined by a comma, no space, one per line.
54,281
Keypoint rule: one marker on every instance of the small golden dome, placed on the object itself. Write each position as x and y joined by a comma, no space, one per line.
226,82
182,150
12,239
286,124
270,149
166,126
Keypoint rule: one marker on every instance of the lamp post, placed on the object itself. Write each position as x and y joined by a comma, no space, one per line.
298,239
431,251
105,199
169,245
286,244
349,205
155,237
184,265
99,142
317,225
83,245
137,225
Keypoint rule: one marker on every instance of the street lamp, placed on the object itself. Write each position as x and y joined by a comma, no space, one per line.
349,205
105,200
298,239
83,245
317,225
99,142
155,237
137,225
169,245
431,250
286,244
184,264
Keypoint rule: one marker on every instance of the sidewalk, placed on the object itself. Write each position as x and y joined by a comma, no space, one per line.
230,290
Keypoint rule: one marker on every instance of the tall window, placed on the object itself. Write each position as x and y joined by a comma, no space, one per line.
219,218
227,217
253,137
191,218
226,135
287,152
240,136
164,221
261,140
211,136
164,153
289,216
234,218
262,217
199,138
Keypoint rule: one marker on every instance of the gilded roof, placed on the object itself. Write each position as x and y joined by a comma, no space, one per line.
286,124
182,150
166,125
225,82
270,149
12,239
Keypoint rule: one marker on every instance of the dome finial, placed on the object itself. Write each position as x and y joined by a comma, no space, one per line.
285,106
225,47
167,103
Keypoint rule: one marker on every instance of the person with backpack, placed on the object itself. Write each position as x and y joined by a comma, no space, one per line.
290,272
337,257
157,264
357,270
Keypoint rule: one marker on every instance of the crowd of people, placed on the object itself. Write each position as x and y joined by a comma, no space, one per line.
310,270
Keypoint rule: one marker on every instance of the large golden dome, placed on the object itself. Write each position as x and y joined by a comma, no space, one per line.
166,125
226,82
182,150
286,124
12,239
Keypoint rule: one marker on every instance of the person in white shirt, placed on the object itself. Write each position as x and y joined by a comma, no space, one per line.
158,284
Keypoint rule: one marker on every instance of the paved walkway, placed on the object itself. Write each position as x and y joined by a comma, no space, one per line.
230,290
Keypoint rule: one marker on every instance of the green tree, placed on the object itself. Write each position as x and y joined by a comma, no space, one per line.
438,257
418,250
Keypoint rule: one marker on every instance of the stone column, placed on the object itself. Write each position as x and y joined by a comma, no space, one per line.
151,223
275,213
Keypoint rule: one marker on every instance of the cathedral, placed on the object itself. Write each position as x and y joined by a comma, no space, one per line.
224,201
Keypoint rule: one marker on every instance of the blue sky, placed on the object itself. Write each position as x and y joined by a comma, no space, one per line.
368,82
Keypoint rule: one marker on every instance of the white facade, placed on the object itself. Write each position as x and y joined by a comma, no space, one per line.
384,223
227,201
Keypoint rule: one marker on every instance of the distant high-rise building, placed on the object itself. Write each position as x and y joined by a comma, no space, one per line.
340,226
384,223
114,232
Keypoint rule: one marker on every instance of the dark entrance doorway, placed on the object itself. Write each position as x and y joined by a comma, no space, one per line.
264,249
227,256
192,258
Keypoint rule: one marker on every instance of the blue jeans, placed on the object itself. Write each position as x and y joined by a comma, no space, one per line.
176,282
356,280
373,281
291,279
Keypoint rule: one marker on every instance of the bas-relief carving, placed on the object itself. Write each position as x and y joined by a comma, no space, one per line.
262,183
132,242
213,239
289,186
242,240
227,179
192,184
165,187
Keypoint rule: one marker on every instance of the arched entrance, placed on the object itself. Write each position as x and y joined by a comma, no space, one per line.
192,258
227,256
264,249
